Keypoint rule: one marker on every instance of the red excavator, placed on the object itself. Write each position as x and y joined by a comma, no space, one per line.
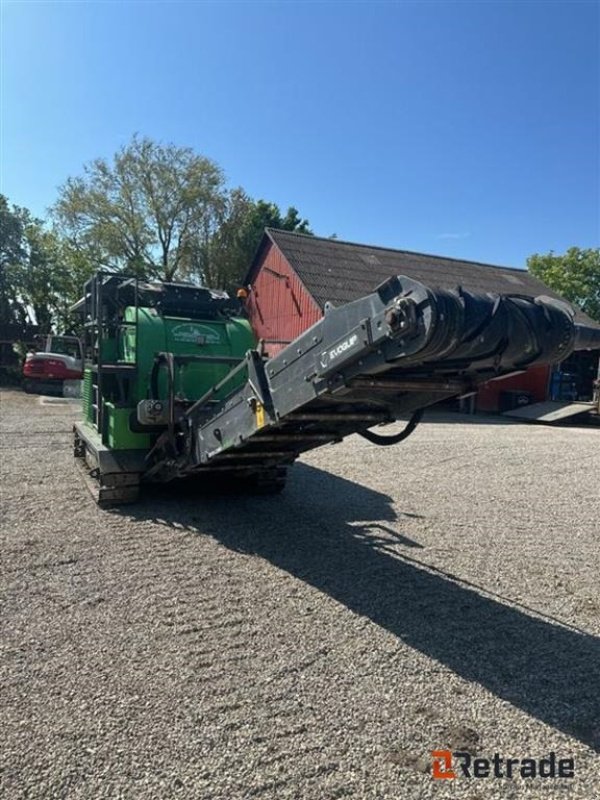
46,370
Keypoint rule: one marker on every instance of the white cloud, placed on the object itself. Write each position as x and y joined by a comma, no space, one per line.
453,235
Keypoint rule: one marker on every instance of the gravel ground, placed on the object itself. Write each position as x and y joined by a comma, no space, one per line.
319,644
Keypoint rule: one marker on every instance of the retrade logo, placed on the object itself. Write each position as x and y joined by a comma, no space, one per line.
442,765
447,765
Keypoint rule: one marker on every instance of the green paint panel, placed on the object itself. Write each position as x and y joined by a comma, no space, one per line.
87,395
118,434
181,336
141,335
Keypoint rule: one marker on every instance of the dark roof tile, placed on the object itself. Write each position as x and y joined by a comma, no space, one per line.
339,272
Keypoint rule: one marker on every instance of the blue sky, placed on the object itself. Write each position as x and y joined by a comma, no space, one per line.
470,129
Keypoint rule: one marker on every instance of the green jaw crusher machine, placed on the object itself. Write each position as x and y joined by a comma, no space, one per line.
175,386
147,345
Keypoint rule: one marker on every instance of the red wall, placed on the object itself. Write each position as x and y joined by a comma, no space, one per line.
279,307
534,380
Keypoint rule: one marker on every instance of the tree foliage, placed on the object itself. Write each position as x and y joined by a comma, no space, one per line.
41,275
235,243
163,211
146,211
158,211
575,275
12,252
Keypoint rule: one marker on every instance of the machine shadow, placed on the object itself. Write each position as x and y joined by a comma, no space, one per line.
326,531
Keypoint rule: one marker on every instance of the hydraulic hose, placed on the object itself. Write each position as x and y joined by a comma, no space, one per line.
386,441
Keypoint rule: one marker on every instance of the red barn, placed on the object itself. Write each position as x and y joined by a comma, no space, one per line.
293,275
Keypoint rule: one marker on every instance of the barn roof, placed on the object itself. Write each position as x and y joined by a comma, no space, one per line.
339,272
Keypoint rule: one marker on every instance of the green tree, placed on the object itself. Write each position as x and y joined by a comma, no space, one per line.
575,275
151,210
236,241
41,275
37,276
162,211
12,253
76,266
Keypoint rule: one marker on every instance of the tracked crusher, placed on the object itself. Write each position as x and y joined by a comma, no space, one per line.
176,386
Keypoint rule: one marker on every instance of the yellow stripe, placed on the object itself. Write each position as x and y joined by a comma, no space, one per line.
260,415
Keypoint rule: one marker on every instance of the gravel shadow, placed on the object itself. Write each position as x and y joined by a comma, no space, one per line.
314,532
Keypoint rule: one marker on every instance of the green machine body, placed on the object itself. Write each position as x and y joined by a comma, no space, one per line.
204,332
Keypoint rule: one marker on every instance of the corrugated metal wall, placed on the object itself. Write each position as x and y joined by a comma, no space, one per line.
278,305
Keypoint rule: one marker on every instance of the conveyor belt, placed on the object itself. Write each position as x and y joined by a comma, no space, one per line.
375,360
